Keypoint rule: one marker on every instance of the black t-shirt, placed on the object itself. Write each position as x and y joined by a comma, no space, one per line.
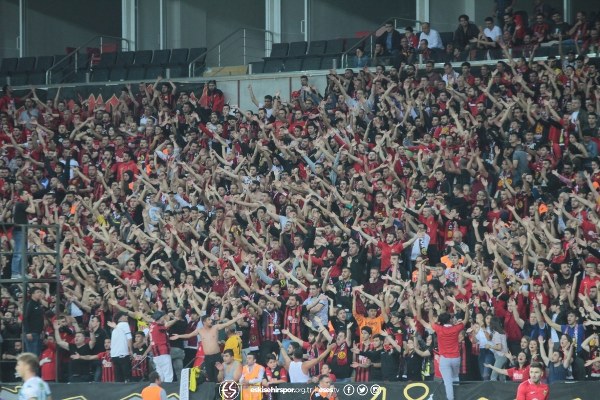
20,215
80,367
100,337
178,328
413,364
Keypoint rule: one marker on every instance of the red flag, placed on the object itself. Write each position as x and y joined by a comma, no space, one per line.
113,102
91,103
99,102
71,104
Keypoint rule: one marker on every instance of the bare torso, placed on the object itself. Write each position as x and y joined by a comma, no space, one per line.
210,342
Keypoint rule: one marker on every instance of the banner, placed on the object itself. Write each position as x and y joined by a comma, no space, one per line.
351,391
111,391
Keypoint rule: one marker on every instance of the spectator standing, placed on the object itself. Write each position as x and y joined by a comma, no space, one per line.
33,322
121,349
499,347
177,325
160,347
23,205
212,99
390,39
449,347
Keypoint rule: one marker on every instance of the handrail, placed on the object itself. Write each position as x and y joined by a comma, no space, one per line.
76,51
344,57
192,64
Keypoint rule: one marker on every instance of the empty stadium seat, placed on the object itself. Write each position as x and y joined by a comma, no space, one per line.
118,74
178,57
44,63
447,37
136,73
9,65
353,43
195,53
107,60
154,71
317,48
292,64
273,65
160,57
312,63
178,71
257,67
335,46
297,49
18,79
83,61
100,75
327,62
199,55
279,50
26,64
37,78
142,58
124,58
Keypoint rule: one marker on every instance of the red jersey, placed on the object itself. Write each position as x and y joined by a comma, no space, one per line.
139,362
448,339
254,332
531,391
159,339
518,374
386,253
362,374
48,370
108,370
292,320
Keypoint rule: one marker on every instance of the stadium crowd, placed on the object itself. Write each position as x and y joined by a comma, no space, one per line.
401,224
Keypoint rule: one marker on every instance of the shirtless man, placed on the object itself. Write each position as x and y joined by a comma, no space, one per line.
209,339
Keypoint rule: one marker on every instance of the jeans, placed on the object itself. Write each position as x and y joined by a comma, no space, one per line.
34,345
485,357
19,242
450,368
177,356
500,362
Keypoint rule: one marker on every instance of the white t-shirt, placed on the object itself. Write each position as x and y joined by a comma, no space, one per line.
34,388
493,33
118,340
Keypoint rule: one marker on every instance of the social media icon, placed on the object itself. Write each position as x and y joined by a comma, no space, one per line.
375,389
362,390
348,390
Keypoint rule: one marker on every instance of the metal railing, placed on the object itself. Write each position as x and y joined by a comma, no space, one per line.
369,38
25,281
220,46
73,54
